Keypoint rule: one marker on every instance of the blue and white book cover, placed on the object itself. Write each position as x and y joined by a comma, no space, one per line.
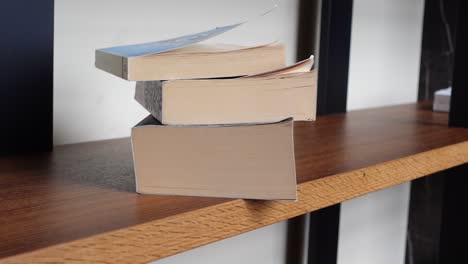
155,47
149,48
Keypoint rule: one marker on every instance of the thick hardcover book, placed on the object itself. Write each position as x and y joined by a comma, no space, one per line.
252,161
267,97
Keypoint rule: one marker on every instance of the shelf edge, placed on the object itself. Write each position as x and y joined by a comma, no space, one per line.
175,234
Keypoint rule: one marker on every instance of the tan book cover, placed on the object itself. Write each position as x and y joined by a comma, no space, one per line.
251,161
184,57
196,61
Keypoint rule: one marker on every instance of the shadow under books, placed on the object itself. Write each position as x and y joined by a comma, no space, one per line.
107,164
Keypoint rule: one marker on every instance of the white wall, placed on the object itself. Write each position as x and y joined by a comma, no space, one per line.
90,104
384,70
373,227
262,246
385,52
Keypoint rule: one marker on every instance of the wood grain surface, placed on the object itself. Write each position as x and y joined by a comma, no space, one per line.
82,190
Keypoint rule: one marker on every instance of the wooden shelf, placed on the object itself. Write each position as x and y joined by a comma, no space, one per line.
78,202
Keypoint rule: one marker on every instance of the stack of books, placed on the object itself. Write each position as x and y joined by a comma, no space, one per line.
221,116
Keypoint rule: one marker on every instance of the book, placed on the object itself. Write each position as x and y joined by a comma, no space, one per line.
442,100
252,161
185,58
266,97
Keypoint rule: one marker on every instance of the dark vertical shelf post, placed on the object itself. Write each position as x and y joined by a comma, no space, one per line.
424,219
335,43
323,235
335,18
26,75
459,97
437,228
454,230
296,241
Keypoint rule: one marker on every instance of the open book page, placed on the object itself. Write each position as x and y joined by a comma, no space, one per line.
149,48
302,66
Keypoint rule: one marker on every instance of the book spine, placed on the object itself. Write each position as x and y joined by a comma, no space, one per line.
111,63
125,68
149,95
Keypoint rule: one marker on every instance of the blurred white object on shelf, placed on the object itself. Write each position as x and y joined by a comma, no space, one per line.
442,100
